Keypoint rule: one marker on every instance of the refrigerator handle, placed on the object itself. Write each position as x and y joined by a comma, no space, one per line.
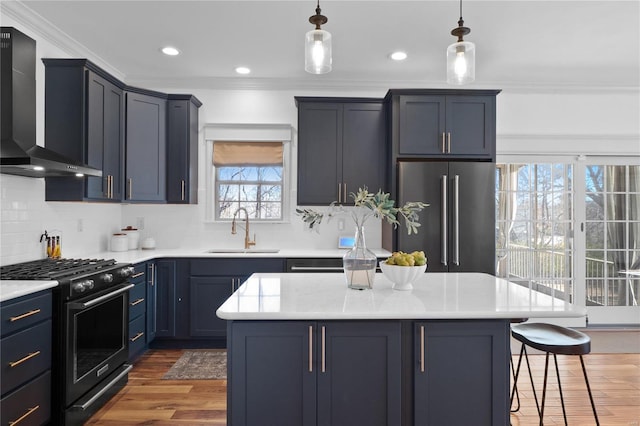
456,220
443,220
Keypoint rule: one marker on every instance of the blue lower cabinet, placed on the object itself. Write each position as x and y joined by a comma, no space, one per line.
30,404
25,359
137,342
327,373
461,375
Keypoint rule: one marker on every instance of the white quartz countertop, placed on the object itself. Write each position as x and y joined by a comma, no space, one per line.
11,289
17,288
313,296
136,256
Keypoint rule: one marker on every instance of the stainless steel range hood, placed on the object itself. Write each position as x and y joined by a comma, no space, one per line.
19,153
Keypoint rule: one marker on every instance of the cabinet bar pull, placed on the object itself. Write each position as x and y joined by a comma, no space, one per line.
443,220
130,188
25,315
323,350
182,189
310,349
153,274
422,348
443,146
139,274
456,220
26,358
137,336
339,191
344,193
137,302
448,142
24,416
110,186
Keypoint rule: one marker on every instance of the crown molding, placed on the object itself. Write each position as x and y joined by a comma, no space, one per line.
37,24
21,13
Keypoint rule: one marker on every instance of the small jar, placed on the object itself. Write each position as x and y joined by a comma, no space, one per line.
133,237
119,242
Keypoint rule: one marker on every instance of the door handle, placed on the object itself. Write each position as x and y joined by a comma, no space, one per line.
322,351
443,221
182,189
344,193
310,349
443,146
422,348
456,220
448,142
131,188
339,192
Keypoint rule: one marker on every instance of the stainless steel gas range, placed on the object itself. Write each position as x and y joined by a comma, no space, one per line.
90,331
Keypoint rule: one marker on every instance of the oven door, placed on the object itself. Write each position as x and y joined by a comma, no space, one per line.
96,339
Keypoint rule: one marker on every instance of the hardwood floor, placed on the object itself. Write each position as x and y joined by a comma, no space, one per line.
614,379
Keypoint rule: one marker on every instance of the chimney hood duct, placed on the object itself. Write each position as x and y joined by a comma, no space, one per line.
19,153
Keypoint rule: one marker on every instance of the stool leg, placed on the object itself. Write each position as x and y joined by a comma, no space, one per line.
544,387
516,373
533,388
586,380
564,413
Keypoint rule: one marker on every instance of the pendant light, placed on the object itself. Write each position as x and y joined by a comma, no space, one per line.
461,56
317,46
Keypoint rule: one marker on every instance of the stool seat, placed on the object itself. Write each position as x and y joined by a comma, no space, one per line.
552,338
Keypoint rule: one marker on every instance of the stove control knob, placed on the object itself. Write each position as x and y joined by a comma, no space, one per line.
78,287
88,284
107,278
126,271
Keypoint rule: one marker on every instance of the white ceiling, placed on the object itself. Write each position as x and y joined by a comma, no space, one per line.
520,44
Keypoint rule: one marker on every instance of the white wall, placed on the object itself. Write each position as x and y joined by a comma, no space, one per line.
608,119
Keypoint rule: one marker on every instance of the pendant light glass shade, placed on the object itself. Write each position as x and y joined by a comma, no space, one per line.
461,63
317,52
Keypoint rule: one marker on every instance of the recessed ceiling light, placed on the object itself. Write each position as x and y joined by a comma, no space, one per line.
243,70
398,56
171,51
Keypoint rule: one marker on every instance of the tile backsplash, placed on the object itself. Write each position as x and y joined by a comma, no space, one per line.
83,227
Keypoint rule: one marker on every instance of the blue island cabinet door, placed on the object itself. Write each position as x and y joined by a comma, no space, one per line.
272,373
461,373
359,373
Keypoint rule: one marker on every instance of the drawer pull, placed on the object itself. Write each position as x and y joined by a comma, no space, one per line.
137,336
24,416
136,302
139,274
25,315
26,358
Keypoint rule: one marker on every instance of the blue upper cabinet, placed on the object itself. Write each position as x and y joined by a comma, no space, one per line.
84,119
451,124
146,142
182,149
341,147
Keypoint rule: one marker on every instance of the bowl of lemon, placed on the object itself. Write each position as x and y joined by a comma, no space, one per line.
402,269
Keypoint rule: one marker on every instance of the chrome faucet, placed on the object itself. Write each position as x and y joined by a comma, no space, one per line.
247,242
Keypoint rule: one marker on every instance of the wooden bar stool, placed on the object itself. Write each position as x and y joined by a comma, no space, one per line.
557,340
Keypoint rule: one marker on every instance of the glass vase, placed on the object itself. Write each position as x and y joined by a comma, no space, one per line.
359,264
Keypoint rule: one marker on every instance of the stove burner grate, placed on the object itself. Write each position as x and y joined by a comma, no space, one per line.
52,269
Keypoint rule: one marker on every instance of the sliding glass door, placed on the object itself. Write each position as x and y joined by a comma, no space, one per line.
571,228
612,241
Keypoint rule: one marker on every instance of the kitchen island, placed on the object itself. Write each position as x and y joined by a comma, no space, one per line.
303,349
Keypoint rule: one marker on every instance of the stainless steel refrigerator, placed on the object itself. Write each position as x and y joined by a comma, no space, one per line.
457,230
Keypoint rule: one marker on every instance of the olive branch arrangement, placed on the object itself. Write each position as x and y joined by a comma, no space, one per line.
368,205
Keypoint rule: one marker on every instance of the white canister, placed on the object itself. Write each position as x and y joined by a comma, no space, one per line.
133,236
119,242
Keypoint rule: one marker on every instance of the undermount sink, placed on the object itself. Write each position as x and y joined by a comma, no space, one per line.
243,251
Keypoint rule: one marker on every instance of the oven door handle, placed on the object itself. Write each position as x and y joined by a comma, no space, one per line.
127,368
97,300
